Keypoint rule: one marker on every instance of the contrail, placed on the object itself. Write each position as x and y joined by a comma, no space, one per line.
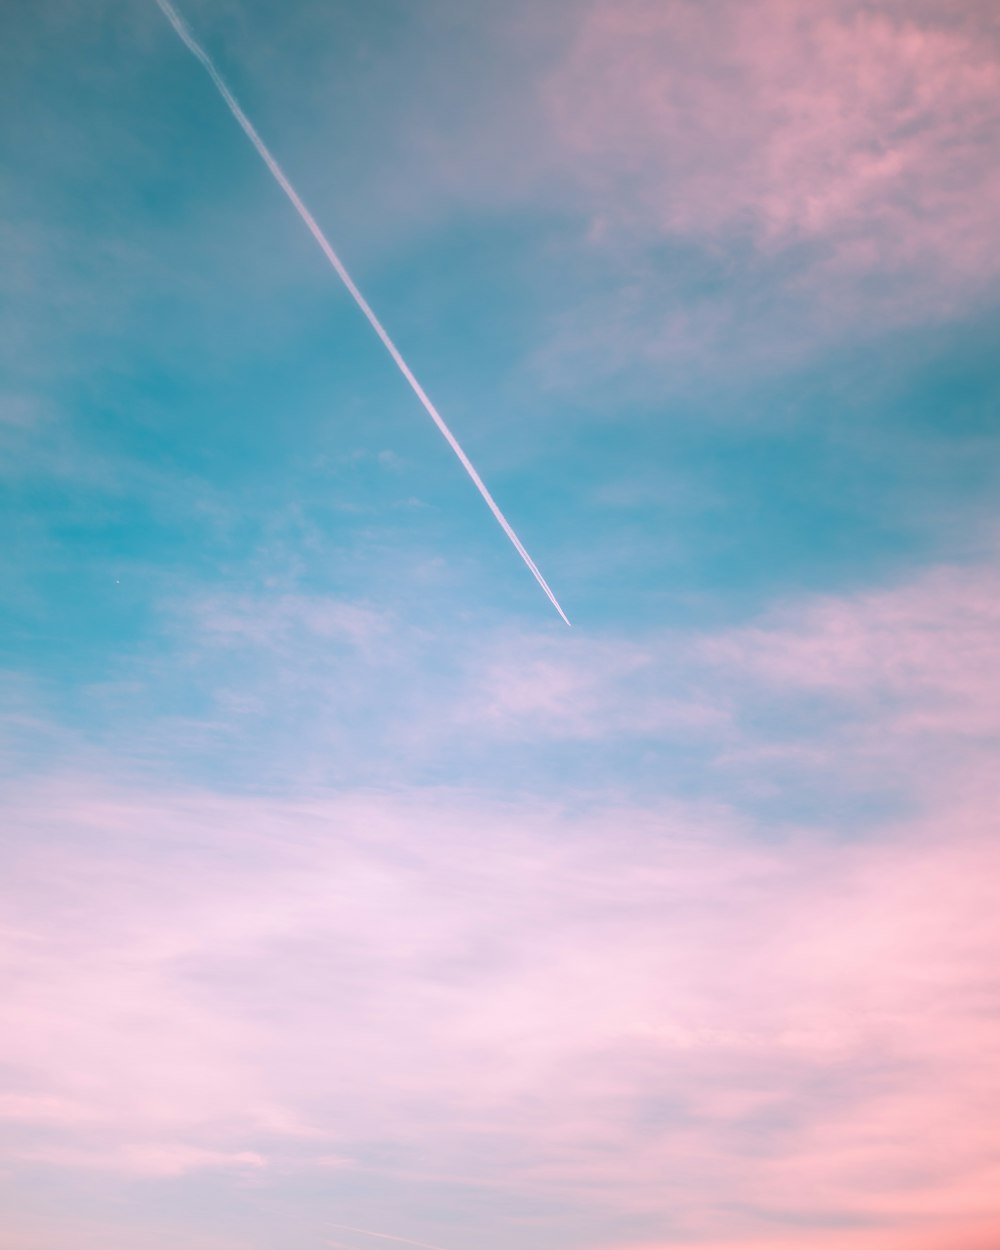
367,1232
180,26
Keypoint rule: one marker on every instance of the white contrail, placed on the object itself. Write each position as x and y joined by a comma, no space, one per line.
367,1232
182,30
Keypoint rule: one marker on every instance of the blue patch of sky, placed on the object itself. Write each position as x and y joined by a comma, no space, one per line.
221,406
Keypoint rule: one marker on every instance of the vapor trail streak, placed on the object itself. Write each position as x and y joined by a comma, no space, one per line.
179,25
367,1232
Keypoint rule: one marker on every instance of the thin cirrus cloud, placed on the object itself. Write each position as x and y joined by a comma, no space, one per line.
971,1236
907,669
850,117
662,1006
885,678
658,1010
837,164
331,895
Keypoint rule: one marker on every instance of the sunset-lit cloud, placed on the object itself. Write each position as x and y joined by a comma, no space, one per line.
785,122
604,1003
832,164
654,1002
342,887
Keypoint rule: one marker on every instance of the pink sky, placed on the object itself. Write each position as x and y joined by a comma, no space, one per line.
196,983
342,887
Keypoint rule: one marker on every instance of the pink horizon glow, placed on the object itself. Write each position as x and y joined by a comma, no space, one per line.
547,992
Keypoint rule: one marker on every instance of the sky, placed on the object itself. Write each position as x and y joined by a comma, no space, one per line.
347,897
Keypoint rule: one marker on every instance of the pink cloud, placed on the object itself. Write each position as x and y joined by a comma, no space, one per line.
891,688
647,1011
935,638
664,1009
786,120
577,689
970,1236
836,161
915,670
901,680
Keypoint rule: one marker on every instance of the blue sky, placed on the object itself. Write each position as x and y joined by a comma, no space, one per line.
299,761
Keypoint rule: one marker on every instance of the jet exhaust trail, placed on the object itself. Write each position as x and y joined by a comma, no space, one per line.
179,25
367,1232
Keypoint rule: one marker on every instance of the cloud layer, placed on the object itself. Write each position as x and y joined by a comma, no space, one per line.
338,885
668,1006
834,165
655,1010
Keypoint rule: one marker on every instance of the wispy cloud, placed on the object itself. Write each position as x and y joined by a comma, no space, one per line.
329,897
833,164
971,1235
785,122
655,1009
886,691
